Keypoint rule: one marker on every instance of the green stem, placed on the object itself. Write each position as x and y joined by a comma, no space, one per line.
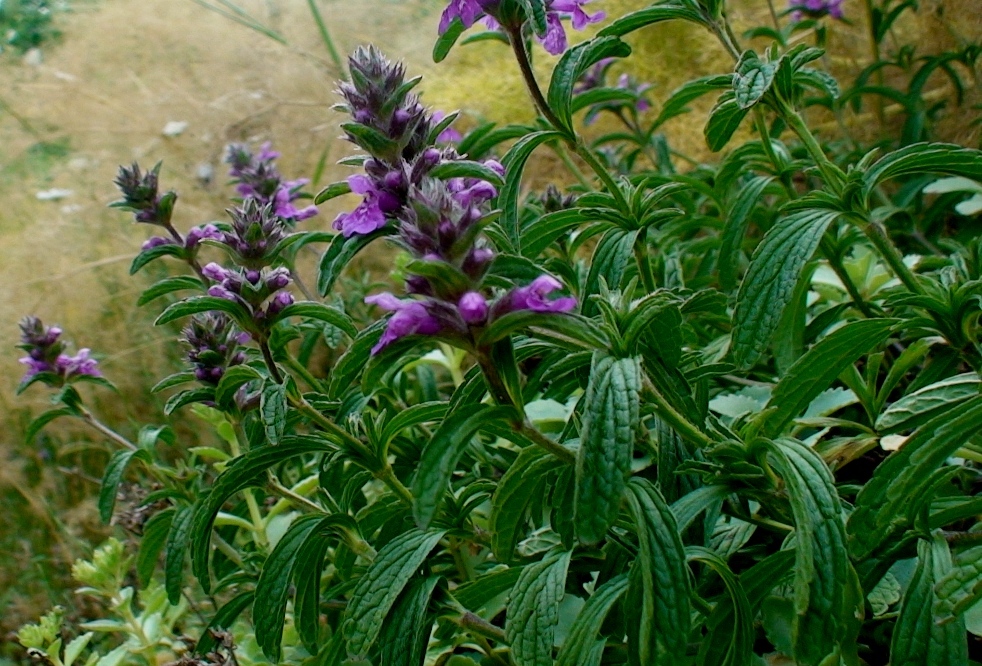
298,368
683,426
89,418
830,172
878,236
389,478
555,448
644,262
564,156
270,363
326,38
835,261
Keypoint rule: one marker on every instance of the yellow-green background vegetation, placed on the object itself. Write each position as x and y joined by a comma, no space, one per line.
101,97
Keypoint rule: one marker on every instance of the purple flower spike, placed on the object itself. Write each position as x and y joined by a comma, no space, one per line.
534,296
473,308
410,318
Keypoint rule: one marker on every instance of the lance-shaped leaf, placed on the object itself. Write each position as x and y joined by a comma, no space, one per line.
152,542
175,551
731,623
443,452
752,80
659,583
341,251
724,120
380,586
946,158
580,646
610,424
923,404
657,13
168,286
407,629
513,496
917,637
446,41
533,612
199,304
737,220
514,163
769,284
272,410
320,312
819,366
961,587
574,63
114,474
677,102
827,597
883,505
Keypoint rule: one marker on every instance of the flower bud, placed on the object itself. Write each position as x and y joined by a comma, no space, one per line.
473,308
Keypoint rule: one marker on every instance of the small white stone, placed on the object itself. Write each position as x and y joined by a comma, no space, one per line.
33,57
892,442
175,128
204,173
53,194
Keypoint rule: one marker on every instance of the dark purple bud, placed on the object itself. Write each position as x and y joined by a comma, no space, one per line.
473,308
278,279
155,241
253,277
476,262
213,271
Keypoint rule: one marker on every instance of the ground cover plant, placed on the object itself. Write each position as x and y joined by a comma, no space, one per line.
725,414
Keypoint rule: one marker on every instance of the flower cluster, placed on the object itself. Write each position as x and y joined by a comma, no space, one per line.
140,195
553,39
213,343
46,353
815,9
438,220
256,177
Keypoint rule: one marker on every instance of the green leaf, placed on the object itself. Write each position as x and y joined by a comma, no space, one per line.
678,100
114,474
425,412
688,507
923,404
945,158
657,13
737,220
441,454
269,608
272,410
245,471
371,140
610,425
752,80
445,42
533,612
38,424
573,327
827,597
513,496
320,312
958,588
466,169
340,252
381,585
548,229
345,372
155,532
406,631
659,582
145,257
332,191
917,637
574,63
199,304
883,505
171,381
580,645
770,282
724,120
739,647
185,398
232,380
514,163
610,260
167,286
223,620
175,550
819,366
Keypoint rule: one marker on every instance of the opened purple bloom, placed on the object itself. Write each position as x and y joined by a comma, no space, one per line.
410,318
535,296
369,215
78,365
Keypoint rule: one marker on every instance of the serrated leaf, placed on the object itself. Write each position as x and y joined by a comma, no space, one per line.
959,588
380,586
610,425
533,612
175,550
752,80
320,312
199,304
512,497
724,120
574,63
579,648
659,582
155,532
514,163
770,282
827,597
819,366
917,637
406,631
917,407
113,475
441,454
881,508
657,13
272,410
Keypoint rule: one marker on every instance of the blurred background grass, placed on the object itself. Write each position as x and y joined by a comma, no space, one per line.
101,96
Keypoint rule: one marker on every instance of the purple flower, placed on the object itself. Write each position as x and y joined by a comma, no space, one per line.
554,41
283,202
257,177
78,365
468,11
213,271
34,366
449,135
368,216
575,7
473,308
155,241
213,345
816,9
410,318
469,192
200,233
534,297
